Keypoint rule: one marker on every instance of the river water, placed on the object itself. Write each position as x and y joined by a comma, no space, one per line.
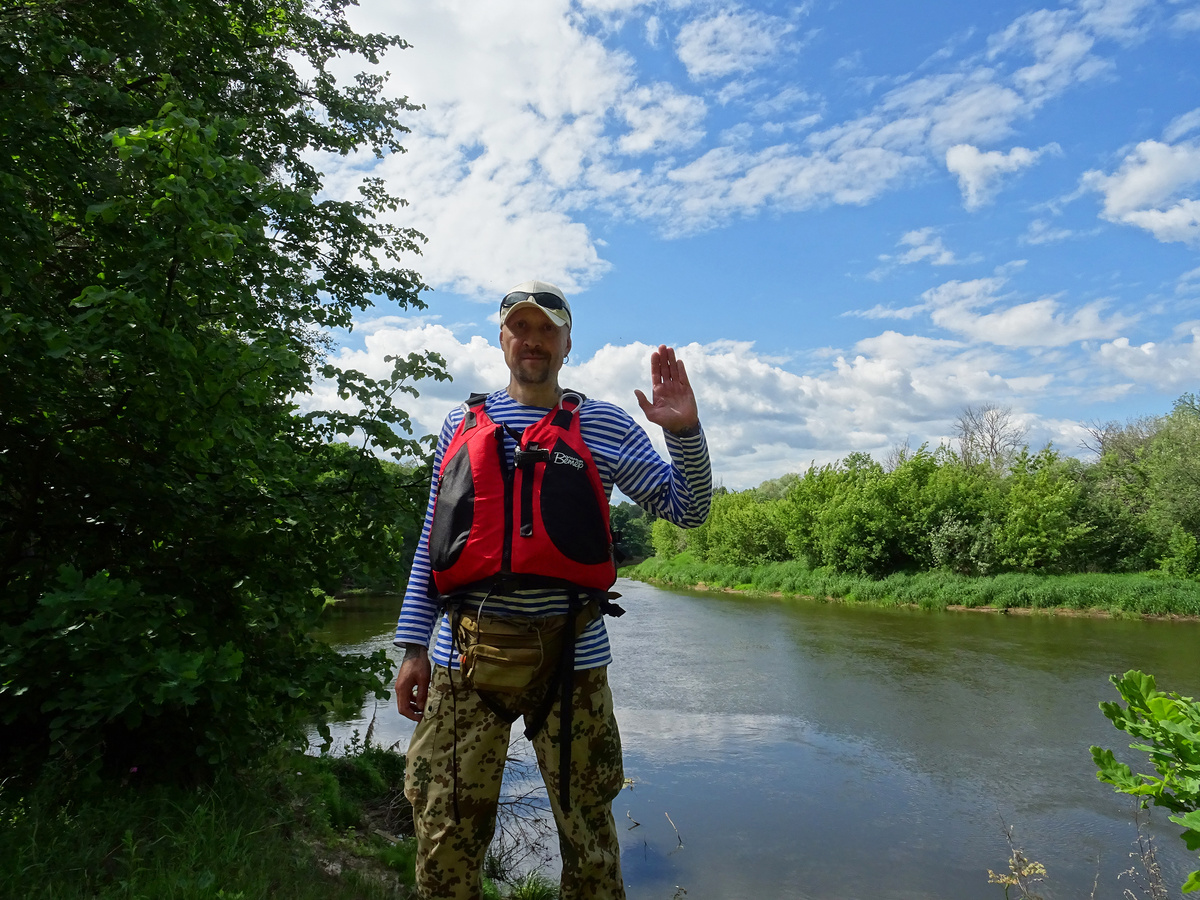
794,749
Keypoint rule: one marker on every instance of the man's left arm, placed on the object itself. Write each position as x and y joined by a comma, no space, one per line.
680,491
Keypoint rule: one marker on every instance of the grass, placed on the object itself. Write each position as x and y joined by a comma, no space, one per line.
1141,594
300,827
303,828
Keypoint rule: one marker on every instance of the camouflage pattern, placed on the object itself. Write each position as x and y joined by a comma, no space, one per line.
450,854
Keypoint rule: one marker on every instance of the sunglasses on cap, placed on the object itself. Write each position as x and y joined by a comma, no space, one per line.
544,299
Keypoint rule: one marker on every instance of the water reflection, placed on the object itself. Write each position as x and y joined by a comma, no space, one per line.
814,750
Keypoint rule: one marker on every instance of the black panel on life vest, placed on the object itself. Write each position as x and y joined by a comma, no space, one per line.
456,493
572,517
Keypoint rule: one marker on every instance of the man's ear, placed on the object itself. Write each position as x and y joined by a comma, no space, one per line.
568,342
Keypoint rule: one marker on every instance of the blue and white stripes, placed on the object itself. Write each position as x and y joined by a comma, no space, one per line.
679,491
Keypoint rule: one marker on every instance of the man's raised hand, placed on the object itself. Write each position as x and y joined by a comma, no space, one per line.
673,406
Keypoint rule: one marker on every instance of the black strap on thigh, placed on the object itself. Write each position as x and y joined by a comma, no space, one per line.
564,680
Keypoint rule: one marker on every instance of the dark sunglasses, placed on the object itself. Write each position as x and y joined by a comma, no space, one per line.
544,299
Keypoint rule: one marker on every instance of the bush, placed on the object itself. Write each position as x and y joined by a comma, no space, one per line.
1167,726
667,538
1183,554
744,530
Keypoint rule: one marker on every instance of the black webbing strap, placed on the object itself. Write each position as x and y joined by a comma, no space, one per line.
473,403
454,616
525,460
564,680
567,707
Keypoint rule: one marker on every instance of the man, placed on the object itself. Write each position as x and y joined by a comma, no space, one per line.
521,535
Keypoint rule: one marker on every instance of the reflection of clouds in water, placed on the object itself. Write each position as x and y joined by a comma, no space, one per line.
667,737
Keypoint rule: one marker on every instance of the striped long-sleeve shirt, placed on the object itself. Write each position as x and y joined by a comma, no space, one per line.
679,491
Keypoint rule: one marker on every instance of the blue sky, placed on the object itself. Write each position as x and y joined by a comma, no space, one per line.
851,219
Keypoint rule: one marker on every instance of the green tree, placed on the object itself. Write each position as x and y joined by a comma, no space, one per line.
801,508
745,530
630,522
170,519
667,538
1173,465
1042,530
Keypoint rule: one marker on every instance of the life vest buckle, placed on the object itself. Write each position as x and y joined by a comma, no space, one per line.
525,459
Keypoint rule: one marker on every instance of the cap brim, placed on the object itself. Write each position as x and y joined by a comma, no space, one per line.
558,316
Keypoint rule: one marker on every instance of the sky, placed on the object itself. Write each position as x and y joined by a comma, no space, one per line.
851,220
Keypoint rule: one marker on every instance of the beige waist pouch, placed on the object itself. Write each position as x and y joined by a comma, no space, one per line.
508,654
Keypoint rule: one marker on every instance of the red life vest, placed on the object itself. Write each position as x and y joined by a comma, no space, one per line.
546,518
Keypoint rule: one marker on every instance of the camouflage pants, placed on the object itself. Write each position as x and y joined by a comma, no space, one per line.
450,854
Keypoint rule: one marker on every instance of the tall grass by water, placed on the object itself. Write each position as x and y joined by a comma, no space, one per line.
1138,594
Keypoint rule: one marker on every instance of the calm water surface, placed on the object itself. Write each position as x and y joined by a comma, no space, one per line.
809,750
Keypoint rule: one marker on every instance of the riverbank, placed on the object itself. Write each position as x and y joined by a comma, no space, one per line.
1148,595
301,827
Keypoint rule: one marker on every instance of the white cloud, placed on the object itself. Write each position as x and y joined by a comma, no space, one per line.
730,42
926,244
1181,125
761,418
921,245
958,307
1042,232
979,172
1168,366
660,118
1115,18
653,28
1148,190
1188,20
1188,282
1060,42
886,312
531,118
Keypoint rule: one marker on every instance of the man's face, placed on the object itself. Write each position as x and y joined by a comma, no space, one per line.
534,347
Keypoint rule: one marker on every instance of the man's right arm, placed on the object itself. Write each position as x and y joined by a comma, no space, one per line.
418,613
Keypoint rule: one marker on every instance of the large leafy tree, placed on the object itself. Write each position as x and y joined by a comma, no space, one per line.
170,519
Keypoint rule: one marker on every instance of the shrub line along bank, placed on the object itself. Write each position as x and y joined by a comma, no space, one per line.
1147,595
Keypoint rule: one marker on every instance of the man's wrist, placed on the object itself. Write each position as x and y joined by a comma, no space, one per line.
415,651
688,431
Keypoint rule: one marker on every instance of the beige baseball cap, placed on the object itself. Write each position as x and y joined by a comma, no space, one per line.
541,294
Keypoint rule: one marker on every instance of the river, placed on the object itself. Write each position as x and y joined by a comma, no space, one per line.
794,749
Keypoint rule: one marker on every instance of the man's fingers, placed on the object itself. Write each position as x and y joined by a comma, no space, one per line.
642,401
412,688
681,373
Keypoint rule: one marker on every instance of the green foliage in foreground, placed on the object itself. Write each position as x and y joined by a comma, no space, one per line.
296,830
1133,594
299,827
171,520
1167,727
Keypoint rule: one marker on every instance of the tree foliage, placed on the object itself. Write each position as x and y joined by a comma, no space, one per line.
986,507
170,519
1167,727
631,528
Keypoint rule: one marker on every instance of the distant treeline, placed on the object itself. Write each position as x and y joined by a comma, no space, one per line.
985,506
